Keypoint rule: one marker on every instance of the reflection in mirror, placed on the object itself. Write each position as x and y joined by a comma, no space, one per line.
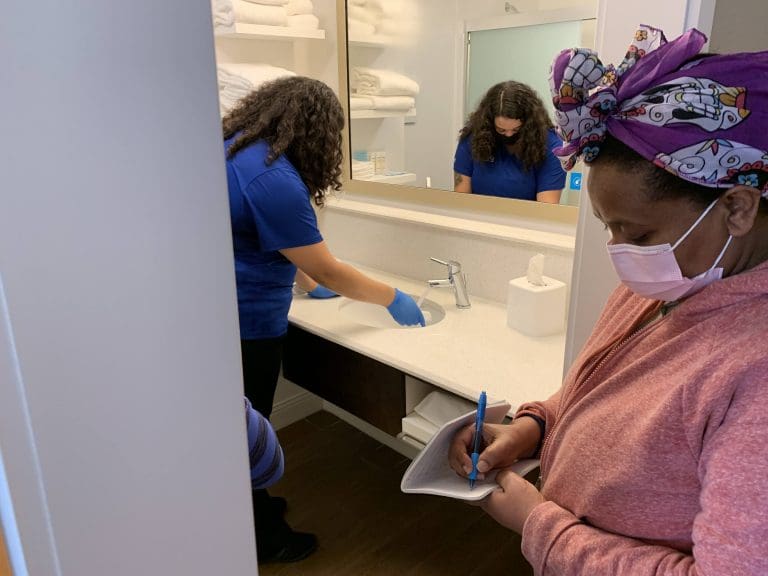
505,148
417,68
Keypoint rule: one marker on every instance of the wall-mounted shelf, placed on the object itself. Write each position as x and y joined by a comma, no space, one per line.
368,114
405,178
264,32
374,41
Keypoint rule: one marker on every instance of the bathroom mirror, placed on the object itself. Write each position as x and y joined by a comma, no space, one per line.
416,68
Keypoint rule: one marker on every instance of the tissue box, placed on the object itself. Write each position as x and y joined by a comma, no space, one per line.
536,310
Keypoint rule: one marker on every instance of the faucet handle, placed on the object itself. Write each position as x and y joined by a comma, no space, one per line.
454,267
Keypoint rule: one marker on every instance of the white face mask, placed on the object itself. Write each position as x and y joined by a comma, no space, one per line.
653,271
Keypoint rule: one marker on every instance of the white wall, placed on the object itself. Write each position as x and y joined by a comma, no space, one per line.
740,26
430,142
121,417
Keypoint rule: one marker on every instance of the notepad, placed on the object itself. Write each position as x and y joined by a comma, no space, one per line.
430,473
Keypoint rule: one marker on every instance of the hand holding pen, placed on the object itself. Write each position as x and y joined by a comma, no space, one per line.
478,438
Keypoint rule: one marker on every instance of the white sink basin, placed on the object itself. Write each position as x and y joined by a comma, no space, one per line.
377,316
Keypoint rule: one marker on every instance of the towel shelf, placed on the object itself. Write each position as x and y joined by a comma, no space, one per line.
264,32
369,114
371,41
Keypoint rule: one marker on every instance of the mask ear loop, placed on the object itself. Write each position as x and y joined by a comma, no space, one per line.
722,252
693,226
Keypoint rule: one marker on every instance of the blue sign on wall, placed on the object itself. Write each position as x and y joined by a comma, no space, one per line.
575,181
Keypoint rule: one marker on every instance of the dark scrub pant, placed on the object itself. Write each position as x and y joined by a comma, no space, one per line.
261,369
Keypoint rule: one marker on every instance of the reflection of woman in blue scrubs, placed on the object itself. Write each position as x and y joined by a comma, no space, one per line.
505,149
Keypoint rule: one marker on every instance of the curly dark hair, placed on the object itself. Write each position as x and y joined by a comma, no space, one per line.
299,117
516,101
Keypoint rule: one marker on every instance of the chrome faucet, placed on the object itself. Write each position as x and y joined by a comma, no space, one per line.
456,279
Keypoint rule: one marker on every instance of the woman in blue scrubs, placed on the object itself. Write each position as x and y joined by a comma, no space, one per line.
505,149
283,149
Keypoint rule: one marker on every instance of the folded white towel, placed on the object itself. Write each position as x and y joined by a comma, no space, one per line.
238,80
439,407
364,14
393,102
223,23
362,169
295,7
359,29
269,2
372,81
360,102
223,16
249,75
380,5
304,22
403,8
251,13
221,6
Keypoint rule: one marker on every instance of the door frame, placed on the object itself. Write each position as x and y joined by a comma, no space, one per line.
463,47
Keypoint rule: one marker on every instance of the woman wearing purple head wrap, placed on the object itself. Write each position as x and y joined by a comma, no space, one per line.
653,453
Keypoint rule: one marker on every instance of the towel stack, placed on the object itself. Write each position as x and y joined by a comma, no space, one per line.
363,169
396,18
239,80
301,14
374,89
223,15
432,412
292,13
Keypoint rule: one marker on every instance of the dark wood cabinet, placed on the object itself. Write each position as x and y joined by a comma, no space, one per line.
367,388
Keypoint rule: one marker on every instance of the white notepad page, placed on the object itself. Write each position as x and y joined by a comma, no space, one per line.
429,473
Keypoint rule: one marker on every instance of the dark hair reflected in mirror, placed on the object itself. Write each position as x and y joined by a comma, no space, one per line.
505,148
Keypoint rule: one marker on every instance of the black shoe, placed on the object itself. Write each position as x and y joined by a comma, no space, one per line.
293,547
278,504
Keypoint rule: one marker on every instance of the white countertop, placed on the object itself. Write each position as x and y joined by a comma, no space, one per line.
466,352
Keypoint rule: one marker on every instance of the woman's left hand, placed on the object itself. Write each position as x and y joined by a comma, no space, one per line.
321,292
512,505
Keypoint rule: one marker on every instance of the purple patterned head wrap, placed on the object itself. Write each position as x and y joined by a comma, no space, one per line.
703,119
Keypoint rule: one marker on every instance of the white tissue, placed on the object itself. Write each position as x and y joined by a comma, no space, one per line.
535,273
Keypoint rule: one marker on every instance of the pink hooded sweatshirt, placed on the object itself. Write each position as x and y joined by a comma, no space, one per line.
656,452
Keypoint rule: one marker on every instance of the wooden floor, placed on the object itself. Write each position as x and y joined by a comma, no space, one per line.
345,487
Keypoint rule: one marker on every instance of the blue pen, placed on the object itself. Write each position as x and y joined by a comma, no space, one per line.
478,438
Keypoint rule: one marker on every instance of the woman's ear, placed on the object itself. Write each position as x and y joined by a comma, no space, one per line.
742,203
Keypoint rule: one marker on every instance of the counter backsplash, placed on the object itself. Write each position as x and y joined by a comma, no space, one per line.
382,240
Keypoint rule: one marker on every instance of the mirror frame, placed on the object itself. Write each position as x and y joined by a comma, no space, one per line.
474,206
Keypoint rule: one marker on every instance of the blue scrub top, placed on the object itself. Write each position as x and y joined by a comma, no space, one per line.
505,175
271,210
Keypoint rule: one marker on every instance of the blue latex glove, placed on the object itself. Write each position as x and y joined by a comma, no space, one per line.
321,292
405,311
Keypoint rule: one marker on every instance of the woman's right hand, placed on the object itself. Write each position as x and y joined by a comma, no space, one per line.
504,444
405,310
